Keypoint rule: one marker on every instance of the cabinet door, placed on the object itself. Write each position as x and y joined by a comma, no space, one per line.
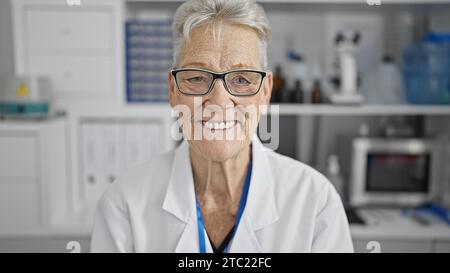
111,146
94,182
141,142
52,30
81,76
42,244
18,157
75,47
442,247
19,204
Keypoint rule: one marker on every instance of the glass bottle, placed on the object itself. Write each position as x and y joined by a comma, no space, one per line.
297,92
316,93
278,85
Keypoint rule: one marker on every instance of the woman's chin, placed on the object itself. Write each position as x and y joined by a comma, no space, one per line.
219,150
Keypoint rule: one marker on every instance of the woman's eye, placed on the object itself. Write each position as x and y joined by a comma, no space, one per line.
195,79
241,81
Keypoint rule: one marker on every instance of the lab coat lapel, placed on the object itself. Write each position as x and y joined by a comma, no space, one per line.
260,210
180,199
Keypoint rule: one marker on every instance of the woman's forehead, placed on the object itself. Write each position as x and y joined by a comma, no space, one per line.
222,63
237,52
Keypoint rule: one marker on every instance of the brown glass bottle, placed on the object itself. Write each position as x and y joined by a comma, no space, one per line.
297,92
316,93
278,85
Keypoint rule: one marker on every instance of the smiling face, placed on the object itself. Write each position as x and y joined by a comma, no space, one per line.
220,125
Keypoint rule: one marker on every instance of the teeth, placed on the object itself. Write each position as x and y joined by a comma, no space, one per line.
219,125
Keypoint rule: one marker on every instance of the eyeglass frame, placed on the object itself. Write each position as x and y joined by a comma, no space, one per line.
218,76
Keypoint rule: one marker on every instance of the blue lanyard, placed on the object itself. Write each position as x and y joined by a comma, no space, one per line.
243,201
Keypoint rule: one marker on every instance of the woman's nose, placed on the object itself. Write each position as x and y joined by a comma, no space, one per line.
219,94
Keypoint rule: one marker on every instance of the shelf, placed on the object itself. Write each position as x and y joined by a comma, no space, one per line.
364,2
107,109
164,110
381,110
285,109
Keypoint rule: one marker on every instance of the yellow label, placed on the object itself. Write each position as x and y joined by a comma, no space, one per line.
22,90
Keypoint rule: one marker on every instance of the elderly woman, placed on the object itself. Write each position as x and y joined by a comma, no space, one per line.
221,190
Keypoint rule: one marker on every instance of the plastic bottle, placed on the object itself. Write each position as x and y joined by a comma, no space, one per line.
384,85
334,174
364,130
426,69
296,69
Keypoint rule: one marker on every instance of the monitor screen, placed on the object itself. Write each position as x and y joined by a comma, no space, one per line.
387,172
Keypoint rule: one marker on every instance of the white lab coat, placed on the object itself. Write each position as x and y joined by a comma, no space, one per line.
290,208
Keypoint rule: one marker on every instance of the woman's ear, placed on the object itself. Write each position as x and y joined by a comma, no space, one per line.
171,89
267,88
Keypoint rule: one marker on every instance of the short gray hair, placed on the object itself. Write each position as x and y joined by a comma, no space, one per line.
195,13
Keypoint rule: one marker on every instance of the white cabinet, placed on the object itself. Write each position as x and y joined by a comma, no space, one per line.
442,247
76,76
18,156
141,142
404,246
94,182
389,230
19,205
75,46
57,28
33,180
18,180
110,146
395,246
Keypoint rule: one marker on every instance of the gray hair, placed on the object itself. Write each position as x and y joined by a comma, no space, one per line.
195,13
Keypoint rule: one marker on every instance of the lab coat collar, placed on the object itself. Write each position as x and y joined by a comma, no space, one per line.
260,210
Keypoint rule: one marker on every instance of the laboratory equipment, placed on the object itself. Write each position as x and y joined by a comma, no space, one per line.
428,208
24,96
346,47
403,172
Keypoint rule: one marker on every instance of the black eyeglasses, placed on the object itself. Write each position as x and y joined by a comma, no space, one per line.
199,82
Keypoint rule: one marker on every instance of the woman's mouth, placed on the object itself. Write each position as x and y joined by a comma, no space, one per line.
220,125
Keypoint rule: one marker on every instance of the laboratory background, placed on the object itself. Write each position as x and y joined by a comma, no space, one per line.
362,89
